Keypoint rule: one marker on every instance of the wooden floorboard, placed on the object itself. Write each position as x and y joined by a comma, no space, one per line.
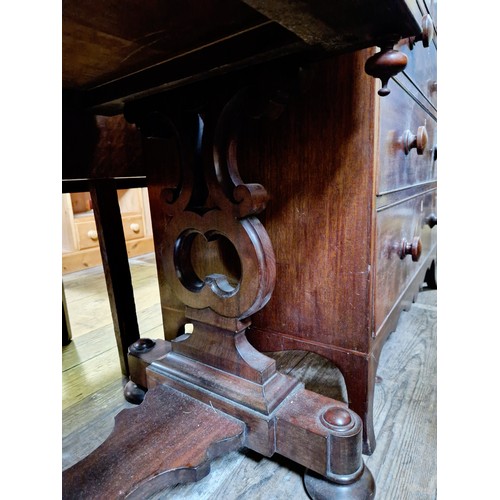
404,463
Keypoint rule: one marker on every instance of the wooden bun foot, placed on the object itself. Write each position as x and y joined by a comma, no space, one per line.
320,488
133,393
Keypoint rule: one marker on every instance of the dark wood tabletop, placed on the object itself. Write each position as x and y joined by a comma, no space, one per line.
117,51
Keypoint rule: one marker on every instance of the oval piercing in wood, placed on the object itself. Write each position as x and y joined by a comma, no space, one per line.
418,141
426,35
384,65
414,248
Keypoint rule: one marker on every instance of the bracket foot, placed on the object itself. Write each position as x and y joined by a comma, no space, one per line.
320,488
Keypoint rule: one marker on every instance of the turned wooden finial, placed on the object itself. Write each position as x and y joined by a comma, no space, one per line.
385,64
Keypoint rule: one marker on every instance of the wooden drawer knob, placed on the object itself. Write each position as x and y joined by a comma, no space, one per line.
431,220
135,227
418,141
426,34
414,249
92,234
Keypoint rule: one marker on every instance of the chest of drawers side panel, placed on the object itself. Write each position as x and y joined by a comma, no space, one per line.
318,165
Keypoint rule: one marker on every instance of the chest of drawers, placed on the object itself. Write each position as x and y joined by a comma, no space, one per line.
356,186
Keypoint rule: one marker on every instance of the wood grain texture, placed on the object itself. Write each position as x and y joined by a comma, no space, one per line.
405,405
401,221
122,37
320,180
115,264
404,464
398,170
95,146
153,463
116,53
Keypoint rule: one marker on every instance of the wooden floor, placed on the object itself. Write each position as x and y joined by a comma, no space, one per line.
404,463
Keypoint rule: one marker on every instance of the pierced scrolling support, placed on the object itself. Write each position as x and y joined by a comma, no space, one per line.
216,258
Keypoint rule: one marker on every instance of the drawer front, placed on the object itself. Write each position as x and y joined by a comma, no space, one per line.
400,119
87,233
428,222
422,68
397,224
133,227
422,65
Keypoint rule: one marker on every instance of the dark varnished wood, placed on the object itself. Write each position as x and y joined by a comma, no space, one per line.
320,489
320,217
311,167
413,248
66,325
120,38
97,150
319,162
125,51
115,263
421,69
99,147
163,447
204,196
401,116
405,220
384,65
405,426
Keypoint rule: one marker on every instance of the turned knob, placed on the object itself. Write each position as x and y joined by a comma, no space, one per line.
384,65
141,346
414,249
418,141
135,227
92,234
426,35
431,220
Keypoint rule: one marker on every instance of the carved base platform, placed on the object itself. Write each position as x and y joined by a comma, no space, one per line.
193,413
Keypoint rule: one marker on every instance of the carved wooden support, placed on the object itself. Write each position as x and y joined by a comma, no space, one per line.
216,258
